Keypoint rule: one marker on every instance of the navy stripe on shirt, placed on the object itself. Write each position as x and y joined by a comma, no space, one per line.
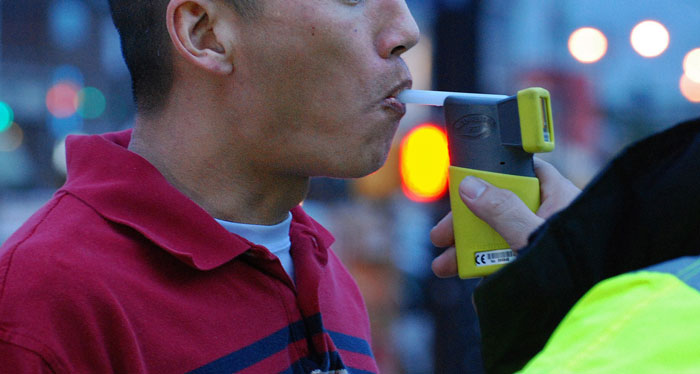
252,353
280,340
341,341
350,343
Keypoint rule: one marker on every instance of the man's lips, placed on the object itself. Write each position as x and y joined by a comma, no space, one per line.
392,102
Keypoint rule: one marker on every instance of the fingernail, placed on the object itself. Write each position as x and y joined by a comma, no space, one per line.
472,188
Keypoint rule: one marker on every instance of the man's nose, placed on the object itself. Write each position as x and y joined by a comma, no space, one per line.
399,32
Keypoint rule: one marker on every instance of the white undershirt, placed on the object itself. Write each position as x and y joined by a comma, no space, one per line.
274,237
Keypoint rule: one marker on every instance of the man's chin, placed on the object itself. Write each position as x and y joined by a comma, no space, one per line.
353,165
365,169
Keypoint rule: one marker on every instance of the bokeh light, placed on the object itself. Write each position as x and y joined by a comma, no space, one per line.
650,38
424,161
690,89
11,139
62,99
91,102
691,65
6,116
588,45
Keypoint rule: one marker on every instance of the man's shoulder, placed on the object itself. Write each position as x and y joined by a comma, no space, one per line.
53,247
55,274
62,221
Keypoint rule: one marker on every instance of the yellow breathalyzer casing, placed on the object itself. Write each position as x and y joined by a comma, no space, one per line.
494,137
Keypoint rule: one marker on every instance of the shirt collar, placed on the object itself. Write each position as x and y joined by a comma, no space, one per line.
125,188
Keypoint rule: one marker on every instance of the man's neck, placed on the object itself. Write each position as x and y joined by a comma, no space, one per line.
220,180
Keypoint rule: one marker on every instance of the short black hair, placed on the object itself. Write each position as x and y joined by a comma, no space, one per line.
147,50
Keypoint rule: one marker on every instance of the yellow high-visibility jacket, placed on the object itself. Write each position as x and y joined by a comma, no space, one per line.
641,322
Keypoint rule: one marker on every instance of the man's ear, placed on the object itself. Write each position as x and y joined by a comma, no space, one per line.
201,32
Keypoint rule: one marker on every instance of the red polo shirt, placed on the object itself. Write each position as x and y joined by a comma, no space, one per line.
121,273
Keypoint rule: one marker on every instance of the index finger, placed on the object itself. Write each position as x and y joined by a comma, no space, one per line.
442,235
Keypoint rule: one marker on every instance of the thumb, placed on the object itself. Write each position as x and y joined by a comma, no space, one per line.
501,209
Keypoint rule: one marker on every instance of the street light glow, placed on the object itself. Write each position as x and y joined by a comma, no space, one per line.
690,89
62,99
11,139
650,38
588,45
691,65
6,116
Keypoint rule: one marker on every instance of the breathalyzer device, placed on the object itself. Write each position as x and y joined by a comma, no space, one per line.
492,137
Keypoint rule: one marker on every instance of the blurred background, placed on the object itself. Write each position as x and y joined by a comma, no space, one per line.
617,71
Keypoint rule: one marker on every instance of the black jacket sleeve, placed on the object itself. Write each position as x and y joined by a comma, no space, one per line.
642,209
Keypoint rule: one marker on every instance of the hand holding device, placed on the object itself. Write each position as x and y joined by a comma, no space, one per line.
493,138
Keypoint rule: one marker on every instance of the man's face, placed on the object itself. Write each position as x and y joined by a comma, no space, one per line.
319,80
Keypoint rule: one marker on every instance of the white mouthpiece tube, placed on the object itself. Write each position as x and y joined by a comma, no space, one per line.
437,98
